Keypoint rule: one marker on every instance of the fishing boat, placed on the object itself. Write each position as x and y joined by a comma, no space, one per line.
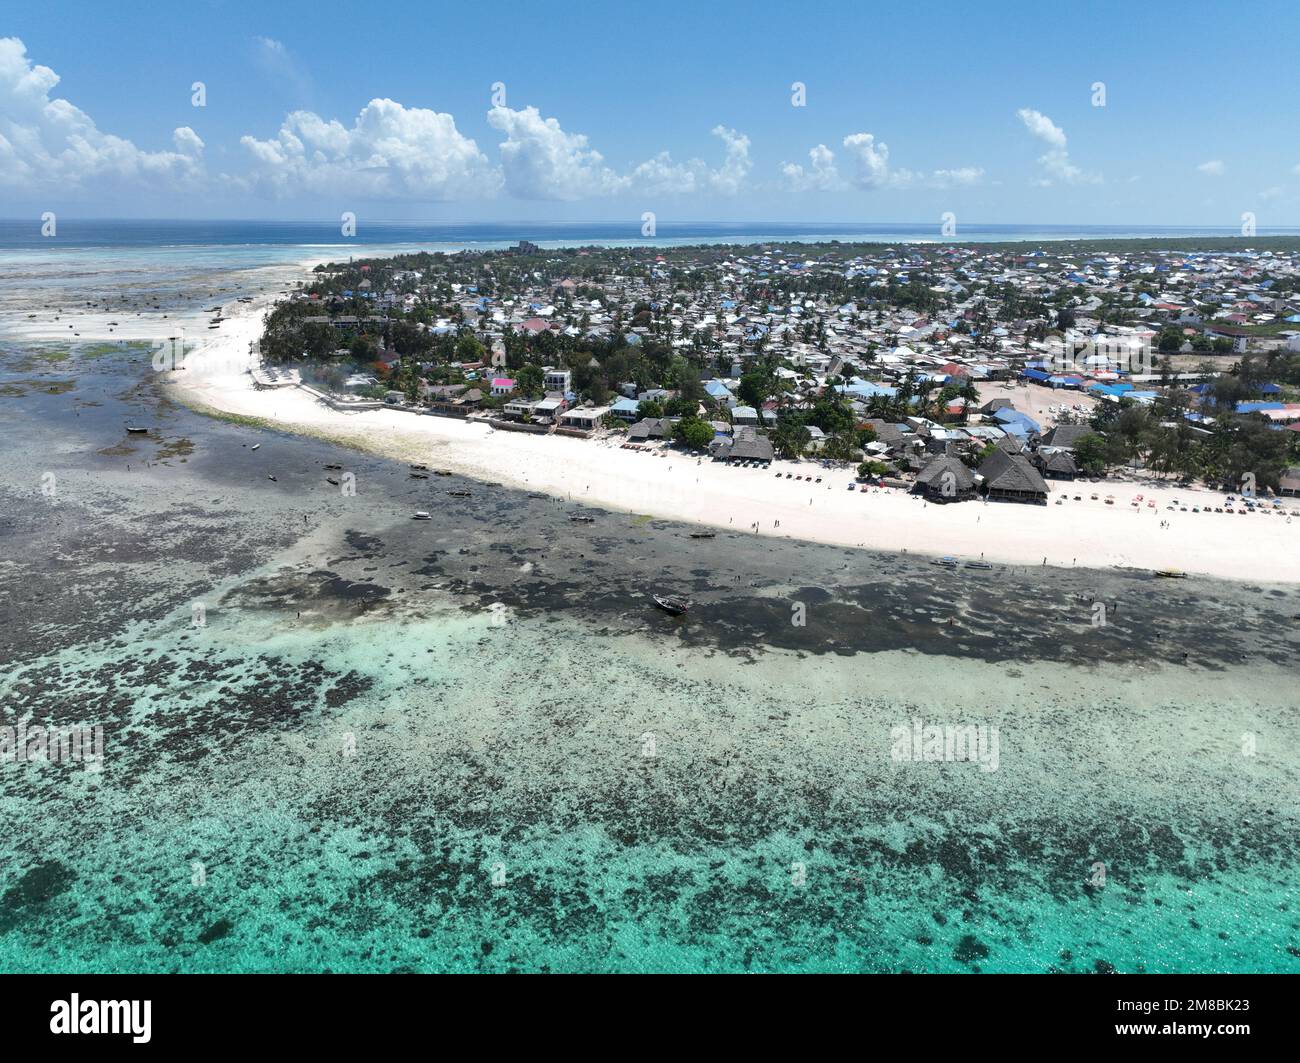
441,472
946,562
256,445
334,467
419,476
420,514
978,564
422,468
270,477
331,480
459,493
1170,573
703,535
578,518
671,603
136,431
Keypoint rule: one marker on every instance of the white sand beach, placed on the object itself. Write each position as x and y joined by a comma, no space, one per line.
1085,533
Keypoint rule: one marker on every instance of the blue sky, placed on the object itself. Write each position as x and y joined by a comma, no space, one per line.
611,109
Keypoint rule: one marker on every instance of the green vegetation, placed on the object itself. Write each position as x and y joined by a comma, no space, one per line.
1222,451
693,432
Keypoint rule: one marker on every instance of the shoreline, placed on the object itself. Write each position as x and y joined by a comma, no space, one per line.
677,486
1086,534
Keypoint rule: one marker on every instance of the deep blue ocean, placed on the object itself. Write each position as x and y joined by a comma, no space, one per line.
90,233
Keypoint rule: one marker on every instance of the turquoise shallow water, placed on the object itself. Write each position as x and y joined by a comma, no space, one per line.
352,766
492,817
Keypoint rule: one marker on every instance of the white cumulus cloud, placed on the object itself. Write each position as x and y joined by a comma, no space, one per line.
1212,168
539,160
822,175
870,160
1056,162
870,169
389,152
662,176
49,145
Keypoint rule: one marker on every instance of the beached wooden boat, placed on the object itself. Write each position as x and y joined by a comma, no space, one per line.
946,562
441,472
978,564
422,468
671,603
1170,573
419,476
578,518
335,467
459,493
420,514
703,535
136,431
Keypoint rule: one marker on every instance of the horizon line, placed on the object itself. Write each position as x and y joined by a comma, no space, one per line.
331,221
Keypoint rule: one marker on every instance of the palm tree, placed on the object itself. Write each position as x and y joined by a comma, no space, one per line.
971,394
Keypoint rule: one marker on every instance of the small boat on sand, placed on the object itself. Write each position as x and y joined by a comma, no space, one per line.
441,472
1170,573
978,564
946,562
579,518
136,431
459,493
422,468
419,476
420,514
335,467
703,535
671,603
331,480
